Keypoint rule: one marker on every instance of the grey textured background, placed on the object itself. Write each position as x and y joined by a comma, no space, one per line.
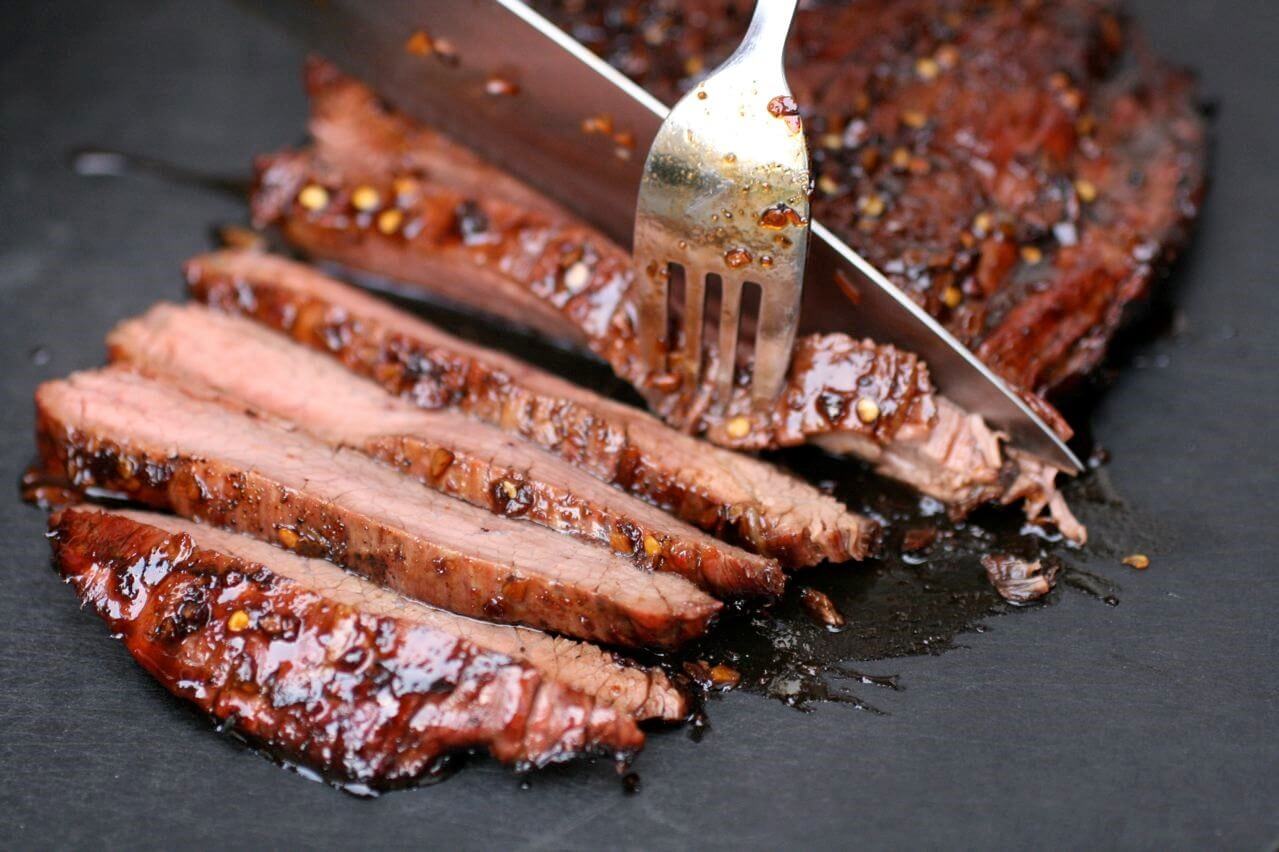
1153,724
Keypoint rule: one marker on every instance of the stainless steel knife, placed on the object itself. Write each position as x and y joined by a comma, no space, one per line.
500,78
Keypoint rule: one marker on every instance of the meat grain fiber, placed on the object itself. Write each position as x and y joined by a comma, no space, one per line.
364,697
150,442
729,495
243,362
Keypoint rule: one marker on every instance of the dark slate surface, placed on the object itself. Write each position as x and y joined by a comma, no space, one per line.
1153,724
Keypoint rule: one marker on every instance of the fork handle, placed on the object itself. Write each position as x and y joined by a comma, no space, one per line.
766,37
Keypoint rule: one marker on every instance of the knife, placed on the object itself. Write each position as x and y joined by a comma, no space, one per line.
499,78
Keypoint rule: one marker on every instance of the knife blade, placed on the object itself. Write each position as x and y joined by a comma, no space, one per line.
573,127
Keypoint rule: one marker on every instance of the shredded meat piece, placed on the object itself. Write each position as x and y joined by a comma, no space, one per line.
1019,581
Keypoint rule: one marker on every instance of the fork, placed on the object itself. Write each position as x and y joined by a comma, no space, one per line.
724,195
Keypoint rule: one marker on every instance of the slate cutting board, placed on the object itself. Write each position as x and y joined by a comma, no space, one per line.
1151,724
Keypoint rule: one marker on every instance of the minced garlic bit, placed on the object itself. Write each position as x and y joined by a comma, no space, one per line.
983,223
927,68
313,197
238,621
832,141
738,427
366,198
1086,191
620,543
901,158
828,185
576,277
867,410
1031,254
652,546
390,220
509,489
1140,561
952,296
288,537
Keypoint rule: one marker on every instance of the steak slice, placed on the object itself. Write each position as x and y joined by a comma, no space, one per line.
608,679
153,444
724,493
496,251
364,696
194,347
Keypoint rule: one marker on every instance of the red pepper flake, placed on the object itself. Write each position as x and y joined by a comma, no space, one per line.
914,119
420,44
779,216
918,538
602,123
725,677
785,108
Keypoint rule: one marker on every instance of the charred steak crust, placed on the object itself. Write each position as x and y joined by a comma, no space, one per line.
741,499
360,698
205,463
246,365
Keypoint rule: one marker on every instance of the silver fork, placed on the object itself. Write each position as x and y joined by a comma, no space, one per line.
725,193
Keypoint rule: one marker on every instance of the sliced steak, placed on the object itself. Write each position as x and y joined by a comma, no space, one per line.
610,680
874,401
727,494
362,696
194,347
153,444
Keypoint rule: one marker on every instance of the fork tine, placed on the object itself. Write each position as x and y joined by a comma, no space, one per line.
774,338
653,317
730,309
694,319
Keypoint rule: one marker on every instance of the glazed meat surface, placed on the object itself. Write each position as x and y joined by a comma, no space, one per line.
153,444
497,251
745,500
1022,169
241,361
608,679
376,698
